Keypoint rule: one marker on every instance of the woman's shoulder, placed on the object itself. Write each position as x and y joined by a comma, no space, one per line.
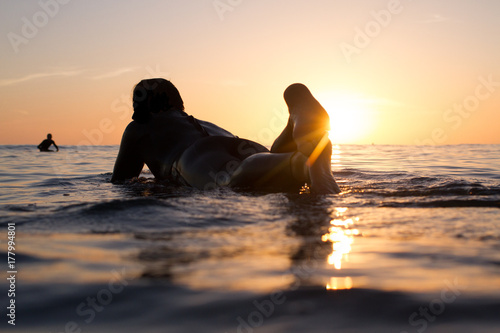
214,130
134,131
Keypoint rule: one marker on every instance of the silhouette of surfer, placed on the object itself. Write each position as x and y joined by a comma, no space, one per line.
45,145
186,151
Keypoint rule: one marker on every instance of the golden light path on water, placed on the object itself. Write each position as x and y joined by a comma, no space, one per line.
336,155
341,234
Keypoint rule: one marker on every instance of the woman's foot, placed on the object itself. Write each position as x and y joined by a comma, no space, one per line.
309,120
309,124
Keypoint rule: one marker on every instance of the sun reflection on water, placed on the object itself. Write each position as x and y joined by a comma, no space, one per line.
336,155
338,283
341,235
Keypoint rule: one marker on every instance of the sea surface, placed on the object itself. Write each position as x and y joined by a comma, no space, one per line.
411,245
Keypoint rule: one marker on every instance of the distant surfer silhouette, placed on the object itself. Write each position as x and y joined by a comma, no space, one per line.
45,145
187,151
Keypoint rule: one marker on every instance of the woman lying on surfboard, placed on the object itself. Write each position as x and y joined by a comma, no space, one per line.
186,151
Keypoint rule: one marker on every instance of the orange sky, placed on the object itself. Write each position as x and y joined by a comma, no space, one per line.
388,72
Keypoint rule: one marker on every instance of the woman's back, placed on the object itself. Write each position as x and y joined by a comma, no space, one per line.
166,136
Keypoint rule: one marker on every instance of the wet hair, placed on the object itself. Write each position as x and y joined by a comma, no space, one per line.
153,96
49,136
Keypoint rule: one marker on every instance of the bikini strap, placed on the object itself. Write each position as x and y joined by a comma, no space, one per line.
197,125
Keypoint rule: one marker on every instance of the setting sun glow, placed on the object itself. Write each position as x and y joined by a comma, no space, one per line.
416,78
351,117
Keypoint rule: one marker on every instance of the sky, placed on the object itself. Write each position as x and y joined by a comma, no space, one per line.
388,72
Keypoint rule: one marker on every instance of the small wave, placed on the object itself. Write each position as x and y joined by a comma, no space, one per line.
28,259
442,191
115,205
444,204
54,182
369,174
68,180
425,187
422,180
21,208
346,173
125,205
482,238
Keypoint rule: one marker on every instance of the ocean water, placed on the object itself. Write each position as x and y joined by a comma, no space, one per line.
411,245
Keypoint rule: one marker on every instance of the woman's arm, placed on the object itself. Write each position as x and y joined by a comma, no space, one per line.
129,162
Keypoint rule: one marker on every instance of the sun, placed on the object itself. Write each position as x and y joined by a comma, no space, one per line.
351,117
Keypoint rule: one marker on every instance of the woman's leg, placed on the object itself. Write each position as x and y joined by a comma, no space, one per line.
221,161
302,153
286,172
284,142
210,162
271,172
306,133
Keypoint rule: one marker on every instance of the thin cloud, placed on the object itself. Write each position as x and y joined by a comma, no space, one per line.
37,76
115,73
437,18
